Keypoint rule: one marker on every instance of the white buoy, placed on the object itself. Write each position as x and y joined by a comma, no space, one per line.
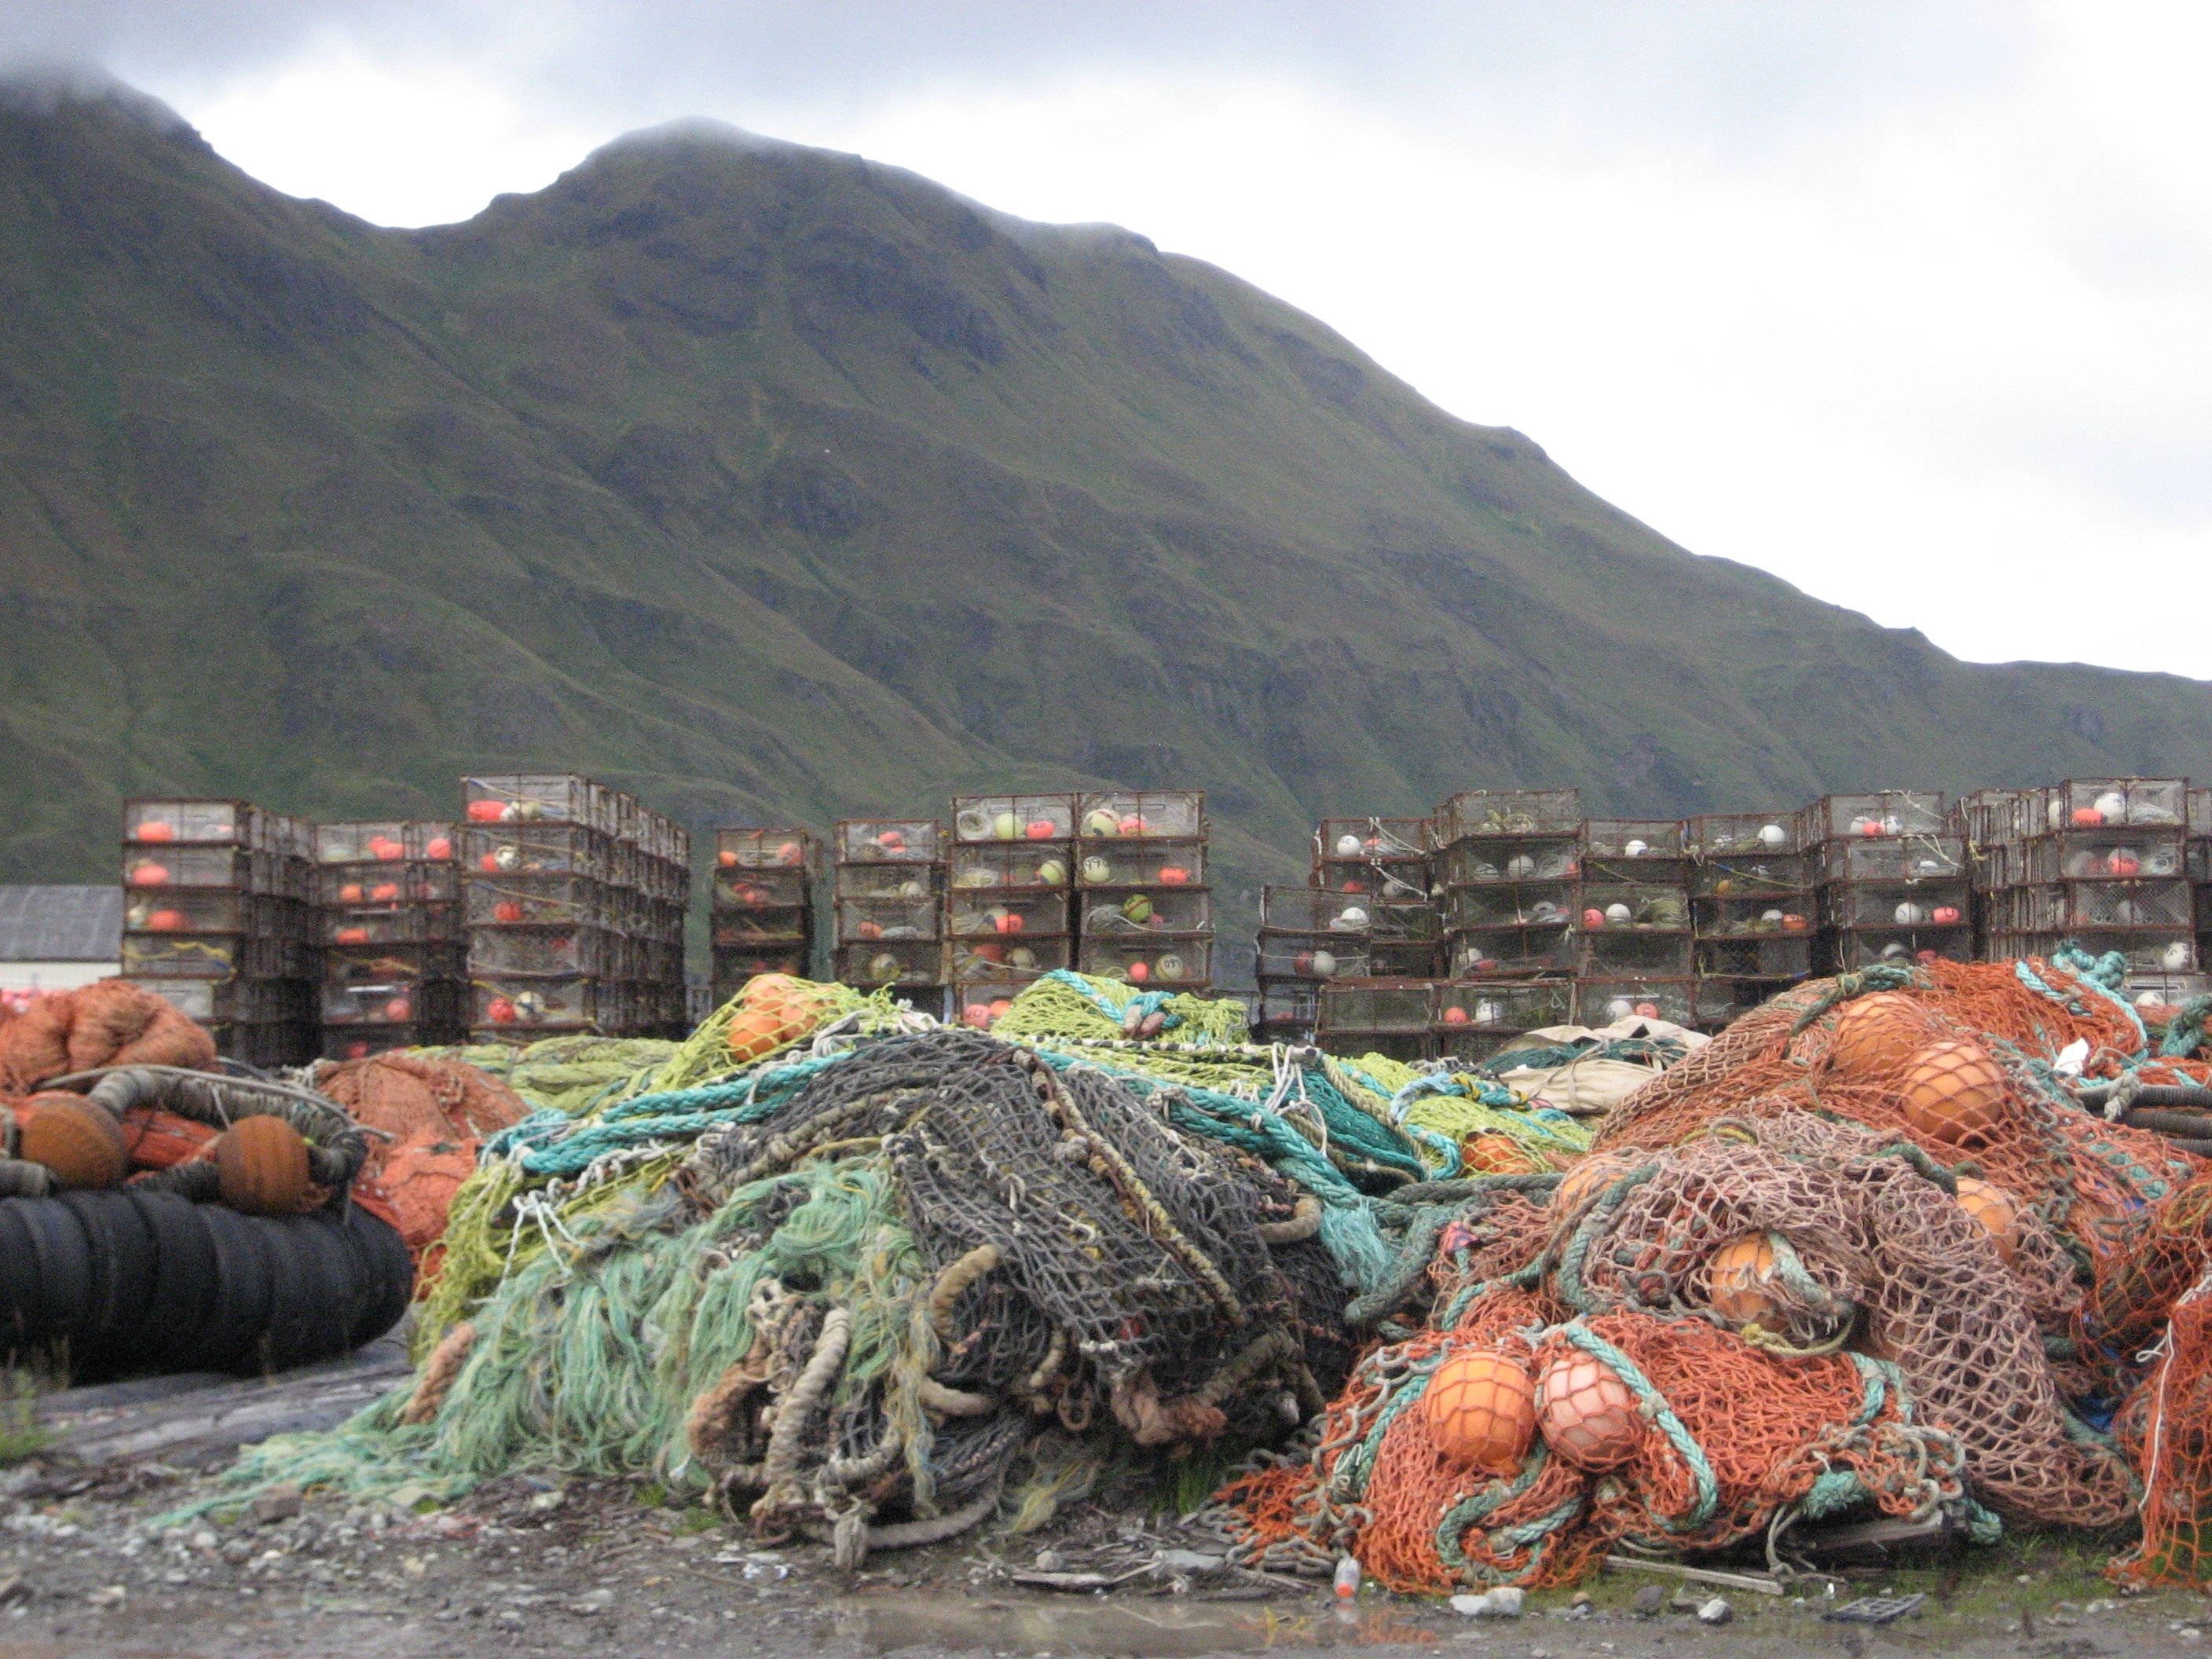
1637,849
1774,836
1348,847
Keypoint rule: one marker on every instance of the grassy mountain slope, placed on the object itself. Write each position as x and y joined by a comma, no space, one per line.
776,485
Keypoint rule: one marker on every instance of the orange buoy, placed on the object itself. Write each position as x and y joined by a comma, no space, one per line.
156,830
1496,1154
1586,1412
1481,1409
1953,1090
1874,1035
1590,1176
1739,1283
81,1143
261,1167
1994,1209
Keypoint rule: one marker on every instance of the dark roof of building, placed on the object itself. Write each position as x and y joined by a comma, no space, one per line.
61,924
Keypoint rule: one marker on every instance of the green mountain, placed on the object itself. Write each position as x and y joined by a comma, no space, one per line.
778,485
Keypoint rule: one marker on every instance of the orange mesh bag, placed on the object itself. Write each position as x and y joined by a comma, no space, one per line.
34,1045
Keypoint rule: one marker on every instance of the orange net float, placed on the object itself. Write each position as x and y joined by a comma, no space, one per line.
1587,1413
1481,1408
261,1163
773,1009
1496,1154
81,1143
1740,1283
1995,1212
1953,1092
1875,1035
1591,1175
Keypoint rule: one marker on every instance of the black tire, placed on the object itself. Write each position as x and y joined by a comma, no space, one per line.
124,1259
177,1313
329,1281
21,1330
390,1274
62,1256
238,1324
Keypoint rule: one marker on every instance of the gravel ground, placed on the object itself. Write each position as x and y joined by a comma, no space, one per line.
535,1567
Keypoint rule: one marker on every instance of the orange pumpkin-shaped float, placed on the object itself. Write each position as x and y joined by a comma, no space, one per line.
1586,1412
1953,1092
1875,1035
1495,1154
1481,1409
81,1143
1994,1209
261,1166
1592,1176
1741,1284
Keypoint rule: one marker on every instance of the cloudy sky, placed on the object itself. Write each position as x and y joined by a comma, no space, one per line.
1911,304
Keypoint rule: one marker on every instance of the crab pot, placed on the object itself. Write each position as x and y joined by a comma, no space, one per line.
391,924
1611,952
761,930
1515,860
1991,817
386,841
1910,858
871,920
540,798
978,818
1111,913
1600,999
2159,994
1372,1005
365,1041
197,911
1753,836
1842,951
1286,1004
1310,957
411,882
1646,852
164,822
760,889
514,1008
499,950
979,1004
1493,813
228,868
1396,884
868,964
236,1002
986,914
1405,959
2108,803
1776,957
383,964
1475,952
1513,904
545,901
1024,868
1314,910
889,841
443,1002
1406,924
1502,1005
1885,813
1372,840
1722,999
1153,963
1112,815
754,849
1874,904
734,966
539,849
2147,951
1618,907
2167,905
186,956
1146,862
1783,874
914,883
2119,855
1752,916
1010,961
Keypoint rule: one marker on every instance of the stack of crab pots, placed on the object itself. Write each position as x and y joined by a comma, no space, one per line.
1894,886
216,918
1393,1017
1508,865
1385,861
2104,864
889,892
1008,913
1309,937
575,898
1634,956
761,908
1754,892
1989,822
388,909
2200,876
1143,911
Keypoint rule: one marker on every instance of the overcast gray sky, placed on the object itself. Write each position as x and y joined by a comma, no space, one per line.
1909,304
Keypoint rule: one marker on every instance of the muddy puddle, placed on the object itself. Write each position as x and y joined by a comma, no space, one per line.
1065,1626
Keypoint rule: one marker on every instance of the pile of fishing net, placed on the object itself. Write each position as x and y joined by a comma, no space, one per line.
854,1275
1864,1253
